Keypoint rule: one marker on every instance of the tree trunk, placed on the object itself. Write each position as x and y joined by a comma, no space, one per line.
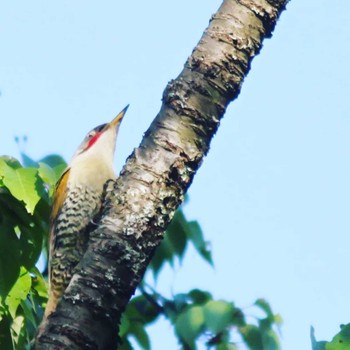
140,204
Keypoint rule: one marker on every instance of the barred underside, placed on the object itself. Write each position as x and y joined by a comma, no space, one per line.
69,238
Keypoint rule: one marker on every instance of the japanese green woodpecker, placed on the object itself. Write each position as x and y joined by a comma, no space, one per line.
77,200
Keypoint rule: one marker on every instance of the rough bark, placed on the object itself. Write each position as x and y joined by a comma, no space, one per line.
141,203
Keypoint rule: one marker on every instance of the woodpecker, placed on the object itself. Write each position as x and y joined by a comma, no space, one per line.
77,200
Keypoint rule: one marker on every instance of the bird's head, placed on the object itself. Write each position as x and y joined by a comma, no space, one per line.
100,141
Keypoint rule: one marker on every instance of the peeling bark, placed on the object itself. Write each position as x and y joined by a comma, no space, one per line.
140,204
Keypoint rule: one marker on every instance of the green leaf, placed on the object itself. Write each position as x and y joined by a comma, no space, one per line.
47,174
18,292
9,259
270,340
199,296
18,331
140,309
31,245
22,183
196,236
125,345
227,347
189,325
5,334
176,233
28,313
218,315
164,253
53,160
13,211
265,306
39,283
124,325
59,169
252,337
342,340
28,161
140,335
11,162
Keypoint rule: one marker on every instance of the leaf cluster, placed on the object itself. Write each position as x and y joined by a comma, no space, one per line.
25,201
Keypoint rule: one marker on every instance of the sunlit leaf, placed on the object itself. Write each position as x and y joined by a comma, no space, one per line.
218,315
189,324
342,340
18,292
22,183
47,174
17,331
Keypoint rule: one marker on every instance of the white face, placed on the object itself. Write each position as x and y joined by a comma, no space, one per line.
92,164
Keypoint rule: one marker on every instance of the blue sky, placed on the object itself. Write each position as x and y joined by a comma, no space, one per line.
273,193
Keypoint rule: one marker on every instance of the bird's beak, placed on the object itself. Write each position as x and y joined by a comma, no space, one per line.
117,120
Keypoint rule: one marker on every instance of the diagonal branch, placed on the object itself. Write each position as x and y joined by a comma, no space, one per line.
141,203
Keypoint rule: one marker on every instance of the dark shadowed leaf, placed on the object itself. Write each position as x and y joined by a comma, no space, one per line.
142,310
31,244
176,234
22,183
5,333
11,162
9,259
164,253
53,160
252,337
265,306
28,162
126,345
199,296
137,330
13,210
196,236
